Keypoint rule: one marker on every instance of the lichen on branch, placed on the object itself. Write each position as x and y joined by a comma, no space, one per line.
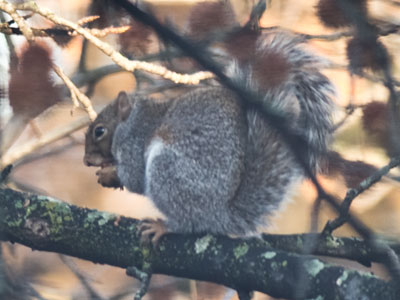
47,224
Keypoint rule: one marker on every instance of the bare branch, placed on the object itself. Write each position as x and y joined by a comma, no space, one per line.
118,58
51,32
76,94
12,11
109,30
353,193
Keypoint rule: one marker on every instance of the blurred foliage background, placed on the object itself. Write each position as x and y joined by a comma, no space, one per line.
58,170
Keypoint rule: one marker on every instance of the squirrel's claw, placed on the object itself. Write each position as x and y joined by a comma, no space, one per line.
152,230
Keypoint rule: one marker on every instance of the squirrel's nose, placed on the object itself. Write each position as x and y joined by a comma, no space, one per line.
86,161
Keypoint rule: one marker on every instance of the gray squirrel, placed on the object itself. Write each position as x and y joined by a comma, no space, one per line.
208,162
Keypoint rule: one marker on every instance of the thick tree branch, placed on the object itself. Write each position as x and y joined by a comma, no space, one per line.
326,245
47,224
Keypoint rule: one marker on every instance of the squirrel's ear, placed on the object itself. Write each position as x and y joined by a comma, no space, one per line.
123,105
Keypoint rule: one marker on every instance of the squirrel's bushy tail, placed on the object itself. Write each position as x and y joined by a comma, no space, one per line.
287,79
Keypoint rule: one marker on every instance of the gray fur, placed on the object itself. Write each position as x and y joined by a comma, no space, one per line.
305,97
212,166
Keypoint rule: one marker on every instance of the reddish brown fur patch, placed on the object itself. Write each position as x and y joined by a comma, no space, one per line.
242,44
135,41
31,89
206,17
36,56
165,134
271,69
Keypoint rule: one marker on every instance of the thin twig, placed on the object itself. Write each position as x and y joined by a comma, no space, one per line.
106,31
87,19
118,58
353,193
375,79
349,109
51,32
12,11
76,94
27,32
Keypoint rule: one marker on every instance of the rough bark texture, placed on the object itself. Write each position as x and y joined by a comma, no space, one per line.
47,224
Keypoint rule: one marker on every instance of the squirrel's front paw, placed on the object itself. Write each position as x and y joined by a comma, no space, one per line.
152,230
108,177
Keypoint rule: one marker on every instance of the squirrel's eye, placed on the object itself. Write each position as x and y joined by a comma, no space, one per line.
99,132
